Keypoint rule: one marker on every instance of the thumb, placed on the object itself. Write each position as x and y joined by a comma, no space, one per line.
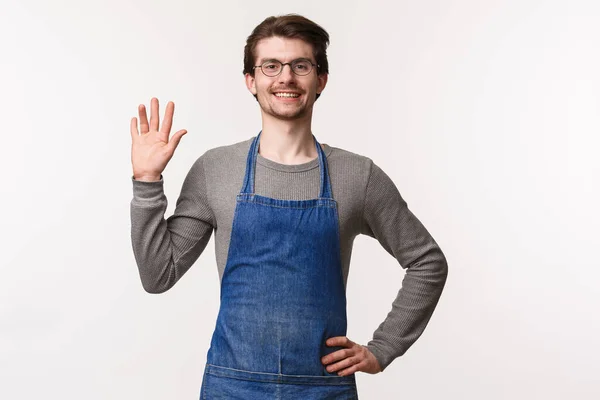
176,138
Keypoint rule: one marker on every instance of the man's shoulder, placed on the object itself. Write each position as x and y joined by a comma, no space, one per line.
224,152
225,156
345,158
348,169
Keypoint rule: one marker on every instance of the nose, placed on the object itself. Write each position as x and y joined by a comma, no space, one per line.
286,74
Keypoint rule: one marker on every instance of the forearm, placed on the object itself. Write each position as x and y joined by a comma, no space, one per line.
412,309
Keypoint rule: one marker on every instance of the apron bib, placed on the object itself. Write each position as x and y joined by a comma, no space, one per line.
282,296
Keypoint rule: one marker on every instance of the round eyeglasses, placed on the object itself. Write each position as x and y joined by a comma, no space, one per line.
300,67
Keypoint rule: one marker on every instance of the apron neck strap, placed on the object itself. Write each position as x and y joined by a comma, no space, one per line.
248,186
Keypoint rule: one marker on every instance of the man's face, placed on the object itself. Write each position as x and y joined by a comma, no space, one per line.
265,87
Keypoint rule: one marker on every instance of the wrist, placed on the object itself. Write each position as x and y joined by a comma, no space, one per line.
147,178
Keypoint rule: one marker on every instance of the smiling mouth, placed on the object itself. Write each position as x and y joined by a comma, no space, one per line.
283,95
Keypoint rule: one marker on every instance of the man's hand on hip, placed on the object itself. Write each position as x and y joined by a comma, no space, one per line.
353,358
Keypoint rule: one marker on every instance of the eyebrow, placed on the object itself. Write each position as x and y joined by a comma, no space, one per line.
262,60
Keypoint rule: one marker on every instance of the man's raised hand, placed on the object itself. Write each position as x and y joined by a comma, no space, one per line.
151,148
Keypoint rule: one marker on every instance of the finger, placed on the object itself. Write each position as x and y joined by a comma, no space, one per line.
352,369
337,355
154,119
168,120
174,142
339,341
144,127
133,128
345,363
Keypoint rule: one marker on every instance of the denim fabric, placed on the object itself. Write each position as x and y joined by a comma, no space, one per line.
282,297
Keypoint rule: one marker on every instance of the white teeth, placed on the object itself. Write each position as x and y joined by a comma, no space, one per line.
287,95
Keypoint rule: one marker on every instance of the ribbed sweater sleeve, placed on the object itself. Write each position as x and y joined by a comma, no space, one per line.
388,219
165,249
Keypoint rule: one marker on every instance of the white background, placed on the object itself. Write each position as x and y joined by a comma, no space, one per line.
484,113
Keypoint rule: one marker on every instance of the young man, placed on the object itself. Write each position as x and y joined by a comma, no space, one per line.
285,211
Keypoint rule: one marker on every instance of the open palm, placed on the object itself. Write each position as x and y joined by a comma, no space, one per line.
151,149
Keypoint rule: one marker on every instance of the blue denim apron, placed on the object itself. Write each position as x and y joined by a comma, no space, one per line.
282,297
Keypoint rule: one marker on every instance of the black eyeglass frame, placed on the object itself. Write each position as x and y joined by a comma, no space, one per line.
284,64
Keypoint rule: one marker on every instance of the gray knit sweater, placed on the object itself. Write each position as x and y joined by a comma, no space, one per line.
368,203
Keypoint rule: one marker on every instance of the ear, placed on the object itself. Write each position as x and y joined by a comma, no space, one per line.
322,81
250,83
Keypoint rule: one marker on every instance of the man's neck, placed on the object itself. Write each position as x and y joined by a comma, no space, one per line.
287,142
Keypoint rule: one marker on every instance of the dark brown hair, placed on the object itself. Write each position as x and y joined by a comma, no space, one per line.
292,26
